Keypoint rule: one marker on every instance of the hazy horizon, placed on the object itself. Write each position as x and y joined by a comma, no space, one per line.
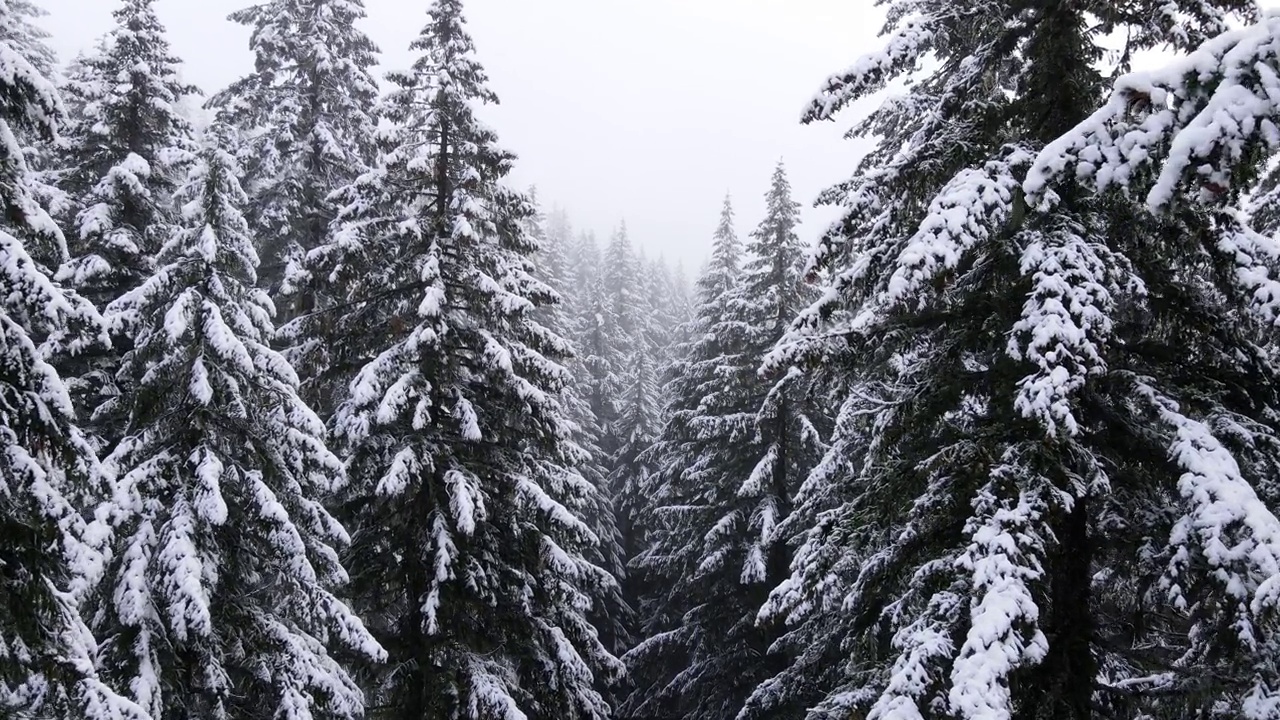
644,112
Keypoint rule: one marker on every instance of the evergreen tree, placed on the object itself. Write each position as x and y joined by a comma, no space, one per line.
560,252
601,345
218,601
668,300
29,40
692,378
681,311
305,113
474,567
126,149
730,462
47,655
1026,504
610,613
623,279
23,34
631,468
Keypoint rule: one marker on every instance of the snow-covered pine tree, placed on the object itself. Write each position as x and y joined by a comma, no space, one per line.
692,378
218,601
600,343
681,313
306,115
560,250
599,375
623,281
126,148
668,301
29,40
631,468
47,655
473,565
25,37
610,614
78,87
1191,139
730,462
1065,416
586,258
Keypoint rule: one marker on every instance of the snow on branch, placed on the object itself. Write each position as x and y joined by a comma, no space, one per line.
1209,118
1255,257
1224,525
965,213
900,53
1004,634
1065,320
925,646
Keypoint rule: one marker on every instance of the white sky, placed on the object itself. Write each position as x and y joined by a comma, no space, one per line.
648,110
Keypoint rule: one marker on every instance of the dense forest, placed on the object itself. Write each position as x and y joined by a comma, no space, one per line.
307,413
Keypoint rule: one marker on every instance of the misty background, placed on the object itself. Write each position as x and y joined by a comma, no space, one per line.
619,109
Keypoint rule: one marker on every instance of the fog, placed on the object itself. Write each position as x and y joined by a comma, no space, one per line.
648,111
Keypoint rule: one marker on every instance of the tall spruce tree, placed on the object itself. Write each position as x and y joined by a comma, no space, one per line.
631,468
218,601
729,463
610,613
624,283
48,657
692,378
601,344
1194,137
126,150
305,114
1026,508
668,300
473,565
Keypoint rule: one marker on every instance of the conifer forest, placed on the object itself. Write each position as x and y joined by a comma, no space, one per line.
308,411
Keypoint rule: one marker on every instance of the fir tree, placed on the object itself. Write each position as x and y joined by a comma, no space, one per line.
631,468
29,40
610,613
125,153
47,655
474,566
1021,512
601,345
305,113
668,300
25,37
730,462
623,279
218,601
692,378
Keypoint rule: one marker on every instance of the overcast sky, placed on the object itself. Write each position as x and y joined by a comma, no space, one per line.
648,110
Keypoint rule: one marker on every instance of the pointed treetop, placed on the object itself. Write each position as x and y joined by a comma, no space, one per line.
782,213
131,93
140,35
450,54
726,256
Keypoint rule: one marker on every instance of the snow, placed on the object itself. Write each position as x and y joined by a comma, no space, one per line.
963,215
1199,114
901,51
404,470
185,576
465,501
923,646
1065,323
1004,633
209,503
